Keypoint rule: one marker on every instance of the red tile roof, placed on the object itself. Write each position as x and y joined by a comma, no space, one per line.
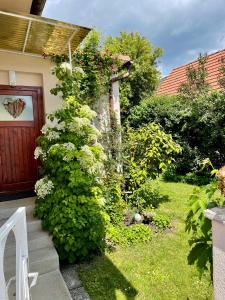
171,84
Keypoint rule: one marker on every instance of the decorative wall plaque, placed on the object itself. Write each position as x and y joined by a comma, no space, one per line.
14,107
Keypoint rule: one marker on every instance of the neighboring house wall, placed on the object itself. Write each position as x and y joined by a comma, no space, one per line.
30,71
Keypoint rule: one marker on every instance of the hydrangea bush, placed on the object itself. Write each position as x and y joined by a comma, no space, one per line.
70,200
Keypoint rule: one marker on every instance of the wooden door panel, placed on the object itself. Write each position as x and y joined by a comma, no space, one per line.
18,168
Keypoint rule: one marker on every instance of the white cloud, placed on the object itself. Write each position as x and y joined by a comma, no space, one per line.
182,27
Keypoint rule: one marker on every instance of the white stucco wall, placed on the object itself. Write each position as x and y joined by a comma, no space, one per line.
30,71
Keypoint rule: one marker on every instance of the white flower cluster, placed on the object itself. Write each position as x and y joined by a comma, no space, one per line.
39,152
88,161
66,66
69,147
45,128
52,135
60,126
78,125
43,187
79,70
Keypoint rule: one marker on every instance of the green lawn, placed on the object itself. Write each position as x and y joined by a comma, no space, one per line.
157,270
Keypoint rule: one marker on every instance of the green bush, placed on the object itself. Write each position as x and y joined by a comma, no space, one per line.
171,175
70,195
148,151
161,221
128,235
196,125
147,196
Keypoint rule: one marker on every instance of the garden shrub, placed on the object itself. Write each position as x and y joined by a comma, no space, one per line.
171,175
148,151
147,196
70,198
161,221
128,235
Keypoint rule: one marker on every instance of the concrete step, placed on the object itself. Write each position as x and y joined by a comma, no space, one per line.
41,260
7,208
36,240
18,203
33,224
6,213
50,286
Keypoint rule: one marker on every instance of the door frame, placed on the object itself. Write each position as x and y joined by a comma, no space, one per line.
38,115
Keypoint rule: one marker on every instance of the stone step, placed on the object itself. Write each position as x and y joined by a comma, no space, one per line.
36,240
6,213
41,260
50,286
33,224
17,203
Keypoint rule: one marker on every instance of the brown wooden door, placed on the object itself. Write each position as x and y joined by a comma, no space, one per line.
21,118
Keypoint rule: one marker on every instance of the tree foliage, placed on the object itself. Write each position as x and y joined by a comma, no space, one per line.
144,76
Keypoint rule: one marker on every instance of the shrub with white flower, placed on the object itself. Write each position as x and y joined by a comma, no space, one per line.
79,70
39,153
43,187
73,207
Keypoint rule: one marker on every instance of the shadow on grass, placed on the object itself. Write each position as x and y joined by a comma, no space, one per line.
108,283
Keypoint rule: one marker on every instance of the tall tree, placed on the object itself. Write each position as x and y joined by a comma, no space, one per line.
144,77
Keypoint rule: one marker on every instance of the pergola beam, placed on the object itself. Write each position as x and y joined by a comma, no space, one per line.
27,35
40,20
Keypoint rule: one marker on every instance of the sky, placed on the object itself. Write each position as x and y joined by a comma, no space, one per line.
183,28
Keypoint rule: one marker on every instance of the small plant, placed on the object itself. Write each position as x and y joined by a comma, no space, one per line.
128,235
199,226
161,221
114,205
147,196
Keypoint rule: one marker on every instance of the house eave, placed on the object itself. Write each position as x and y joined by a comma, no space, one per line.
37,7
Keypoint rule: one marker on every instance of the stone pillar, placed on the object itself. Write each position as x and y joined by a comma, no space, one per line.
116,122
217,216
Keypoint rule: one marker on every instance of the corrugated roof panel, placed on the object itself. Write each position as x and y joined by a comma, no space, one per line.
41,36
12,32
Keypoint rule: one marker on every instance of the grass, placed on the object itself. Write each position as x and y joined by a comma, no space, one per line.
156,270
